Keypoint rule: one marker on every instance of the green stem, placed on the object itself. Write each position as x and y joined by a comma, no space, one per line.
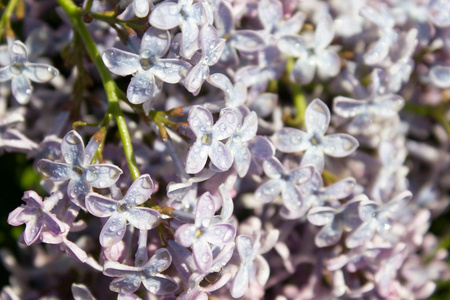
111,89
5,23
299,99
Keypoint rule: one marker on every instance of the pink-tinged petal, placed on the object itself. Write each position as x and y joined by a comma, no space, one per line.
292,197
303,70
329,235
21,88
263,270
328,64
324,33
202,255
154,43
439,75
220,156
171,70
196,157
321,216
270,13
139,191
200,120
142,88
81,292
5,74
204,210
268,191
361,235
72,148
292,45
248,40
165,16
143,218
18,53
121,62
317,117
240,282
125,285
195,78
185,235
55,171
102,175
53,225
291,140
262,148
159,262
114,230
100,206
339,145
40,72
349,108
16,218
74,251
314,156
32,231
219,234
160,284
189,39
226,125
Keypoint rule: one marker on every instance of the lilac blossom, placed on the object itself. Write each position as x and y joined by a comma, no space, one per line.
125,210
77,168
235,95
130,278
209,137
440,76
314,141
20,72
148,67
37,216
204,232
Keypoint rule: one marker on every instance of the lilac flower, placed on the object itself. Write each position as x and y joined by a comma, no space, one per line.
148,68
314,141
380,105
335,221
20,72
130,278
376,218
77,168
37,217
440,76
319,58
188,16
203,232
209,137
123,211
212,48
235,96
252,263
284,182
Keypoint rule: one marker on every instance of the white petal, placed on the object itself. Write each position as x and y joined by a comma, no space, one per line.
171,70
142,88
155,42
196,158
317,117
328,64
290,140
165,16
303,70
292,45
339,145
121,62
324,33
220,156
21,88
40,72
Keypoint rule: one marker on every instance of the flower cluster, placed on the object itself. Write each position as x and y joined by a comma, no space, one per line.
200,149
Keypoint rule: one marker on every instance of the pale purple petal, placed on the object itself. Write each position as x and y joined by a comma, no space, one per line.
220,156
77,190
291,140
195,78
197,13
139,191
314,156
185,235
223,18
301,175
141,8
102,175
18,53
114,230
204,210
321,216
324,33
171,70
240,282
242,159
32,230
142,88
55,171
100,206
155,43
348,108
5,73
361,235
263,272
249,127
268,191
219,234
328,64
339,145
226,125
270,12
17,217
197,157
72,148
126,285
248,40
387,106
292,197
340,189
189,41
244,246
377,52
53,224
21,88
165,16
292,45
159,262
121,62
200,120
160,284
39,72
303,70
317,117
143,218
202,255
329,235
273,168
81,292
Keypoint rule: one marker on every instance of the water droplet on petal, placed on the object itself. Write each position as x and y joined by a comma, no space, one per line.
102,184
206,222
205,258
113,173
90,176
146,184
227,236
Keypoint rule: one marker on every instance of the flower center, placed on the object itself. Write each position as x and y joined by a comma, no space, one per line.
146,63
207,139
17,68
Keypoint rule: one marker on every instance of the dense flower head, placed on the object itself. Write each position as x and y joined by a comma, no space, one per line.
216,149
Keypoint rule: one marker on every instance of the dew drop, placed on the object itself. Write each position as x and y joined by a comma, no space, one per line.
217,231
71,138
205,258
227,236
102,184
210,207
206,222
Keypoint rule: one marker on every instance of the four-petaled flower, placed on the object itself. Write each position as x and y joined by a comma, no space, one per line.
314,141
209,137
77,168
206,229
20,72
